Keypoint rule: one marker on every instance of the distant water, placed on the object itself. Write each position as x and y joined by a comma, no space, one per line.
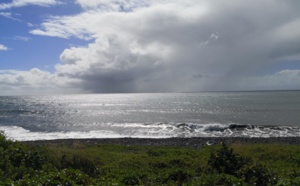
248,114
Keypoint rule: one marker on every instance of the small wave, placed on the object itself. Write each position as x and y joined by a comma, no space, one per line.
215,127
20,134
18,111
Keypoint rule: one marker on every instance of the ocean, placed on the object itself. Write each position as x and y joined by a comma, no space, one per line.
157,115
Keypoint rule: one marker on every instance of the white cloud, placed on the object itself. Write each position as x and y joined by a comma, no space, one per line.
112,5
20,3
21,38
2,47
175,45
65,27
9,15
34,81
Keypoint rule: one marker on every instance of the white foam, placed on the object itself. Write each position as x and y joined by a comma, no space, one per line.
215,127
154,130
21,134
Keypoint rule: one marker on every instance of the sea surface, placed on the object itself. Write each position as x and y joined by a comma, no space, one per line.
209,114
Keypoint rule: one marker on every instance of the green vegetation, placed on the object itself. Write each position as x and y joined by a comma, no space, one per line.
81,164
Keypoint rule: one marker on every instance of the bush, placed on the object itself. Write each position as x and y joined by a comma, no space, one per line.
63,177
295,181
178,176
28,165
257,174
225,161
131,179
18,160
216,179
83,164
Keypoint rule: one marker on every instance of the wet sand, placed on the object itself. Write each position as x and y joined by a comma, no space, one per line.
180,142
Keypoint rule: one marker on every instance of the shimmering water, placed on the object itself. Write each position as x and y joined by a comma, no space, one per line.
251,114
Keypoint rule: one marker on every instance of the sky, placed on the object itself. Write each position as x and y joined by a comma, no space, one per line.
133,46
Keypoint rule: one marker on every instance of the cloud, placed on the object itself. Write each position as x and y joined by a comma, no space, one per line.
109,65
282,80
8,15
34,81
112,5
66,27
3,48
179,46
21,38
20,3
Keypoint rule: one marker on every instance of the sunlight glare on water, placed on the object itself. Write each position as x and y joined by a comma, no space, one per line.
153,115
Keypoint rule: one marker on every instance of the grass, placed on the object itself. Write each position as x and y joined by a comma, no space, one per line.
282,159
81,164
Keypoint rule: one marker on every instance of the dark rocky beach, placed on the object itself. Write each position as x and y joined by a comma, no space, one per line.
181,142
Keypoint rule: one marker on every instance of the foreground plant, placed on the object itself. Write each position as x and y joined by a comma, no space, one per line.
81,164
225,161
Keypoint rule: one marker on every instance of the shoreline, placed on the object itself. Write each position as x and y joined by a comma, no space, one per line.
195,142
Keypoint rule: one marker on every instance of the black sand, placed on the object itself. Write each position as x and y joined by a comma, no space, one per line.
182,142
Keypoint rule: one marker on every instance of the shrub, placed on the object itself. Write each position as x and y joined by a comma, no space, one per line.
63,177
18,160
225,161
295,181
83,164
257,174
216,179
131,179
178,176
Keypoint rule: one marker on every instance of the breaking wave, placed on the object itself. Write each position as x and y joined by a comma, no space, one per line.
153,130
